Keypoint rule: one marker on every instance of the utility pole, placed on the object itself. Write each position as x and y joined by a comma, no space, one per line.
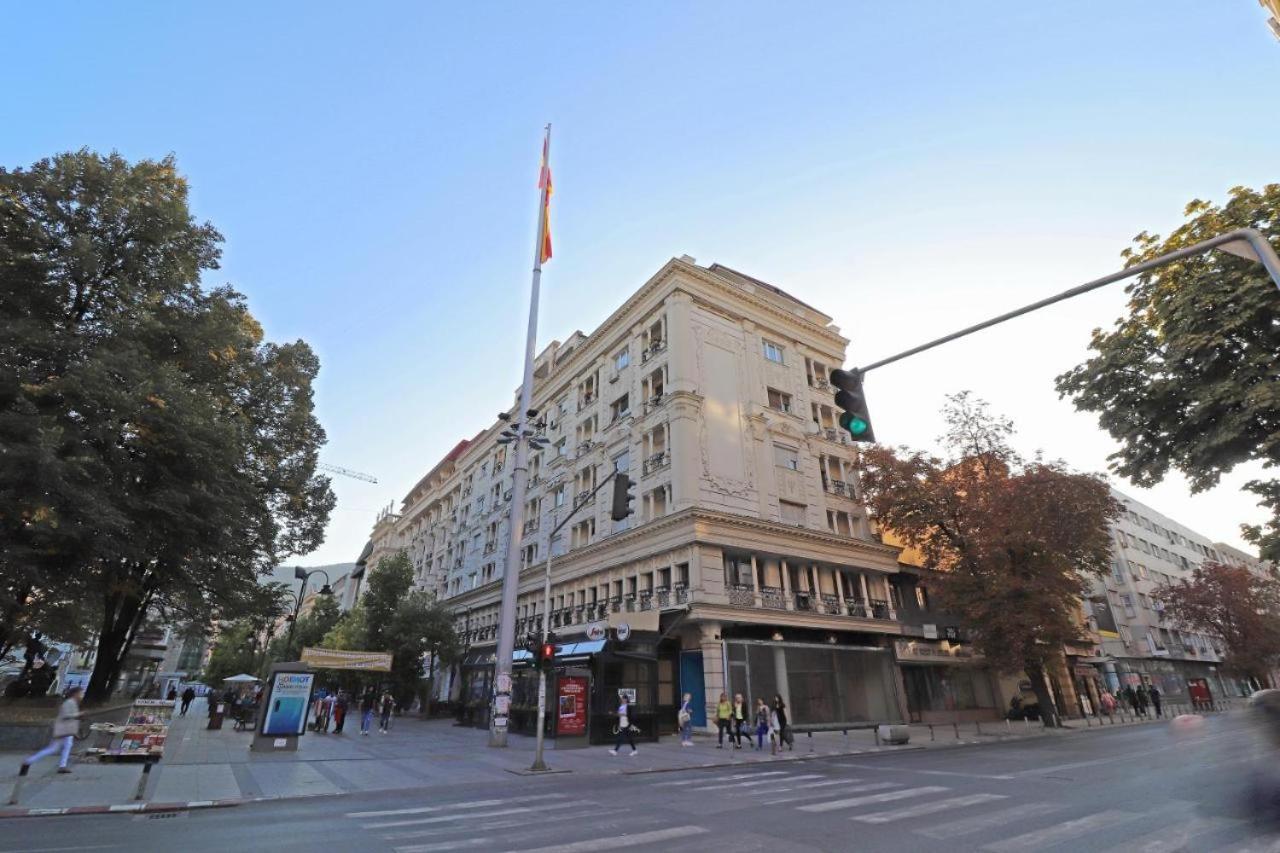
501,705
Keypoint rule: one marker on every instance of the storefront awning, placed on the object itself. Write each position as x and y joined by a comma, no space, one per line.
579,650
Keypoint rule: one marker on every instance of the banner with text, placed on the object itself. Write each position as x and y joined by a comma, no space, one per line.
341,659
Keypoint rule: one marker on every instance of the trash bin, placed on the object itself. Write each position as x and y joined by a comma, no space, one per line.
216,712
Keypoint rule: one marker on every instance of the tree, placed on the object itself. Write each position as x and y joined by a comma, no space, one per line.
389,582
1187,379
310,629
160,455
232,654
1015,542
1239,607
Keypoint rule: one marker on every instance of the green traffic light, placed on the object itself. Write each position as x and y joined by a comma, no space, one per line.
857,426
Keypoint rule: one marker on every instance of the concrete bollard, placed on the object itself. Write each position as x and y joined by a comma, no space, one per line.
931,737
846,740
1008,726
876,732
977,724
811,743
1026,724
956,726
17,785
1088,723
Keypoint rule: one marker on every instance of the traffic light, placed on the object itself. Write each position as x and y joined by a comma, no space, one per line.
855,418
533,645
622,497
548,651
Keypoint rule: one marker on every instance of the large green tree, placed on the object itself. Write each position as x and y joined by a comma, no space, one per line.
1015,542
159,453
1189,378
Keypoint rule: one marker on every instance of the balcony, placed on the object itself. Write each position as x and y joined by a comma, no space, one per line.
615,604
772,598
838,487
655,402
582,500
663,597
819,383
658,460
646,601
532,524
682,594
653,349
585,400
741,595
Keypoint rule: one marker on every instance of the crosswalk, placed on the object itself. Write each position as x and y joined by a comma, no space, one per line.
952,816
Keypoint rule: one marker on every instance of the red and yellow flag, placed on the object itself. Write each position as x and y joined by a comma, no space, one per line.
544,184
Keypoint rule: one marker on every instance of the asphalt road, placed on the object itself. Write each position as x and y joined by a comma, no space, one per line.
1139,789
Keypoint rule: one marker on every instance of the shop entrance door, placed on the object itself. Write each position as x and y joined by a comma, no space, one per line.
691,681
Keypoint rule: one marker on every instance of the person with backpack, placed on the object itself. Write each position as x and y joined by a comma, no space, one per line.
188,696
685,718
624,726
784,729
762,723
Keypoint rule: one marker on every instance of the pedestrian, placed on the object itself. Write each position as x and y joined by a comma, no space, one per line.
1154,693
65,728
340,711
784,728
624,726
172,694
1108,702
388,705
739,717
762,723
724,711
367,704
1131,697
775,732
1143,699
685,718
188,696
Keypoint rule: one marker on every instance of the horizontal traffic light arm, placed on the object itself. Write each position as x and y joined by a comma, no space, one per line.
1244,242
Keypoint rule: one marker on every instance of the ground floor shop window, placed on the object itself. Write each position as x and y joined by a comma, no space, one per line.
947,688
825,684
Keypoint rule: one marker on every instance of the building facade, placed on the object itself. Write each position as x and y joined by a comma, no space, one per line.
1140,644
749,565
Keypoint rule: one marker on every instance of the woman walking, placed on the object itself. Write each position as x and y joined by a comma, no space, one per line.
388,705
784,734
723,711
762,723
685,719
65,728
740,714
624,727
367,704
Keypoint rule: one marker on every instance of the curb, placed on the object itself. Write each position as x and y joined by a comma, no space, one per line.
126,808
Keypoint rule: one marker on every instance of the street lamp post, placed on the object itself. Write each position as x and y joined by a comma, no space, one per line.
304,575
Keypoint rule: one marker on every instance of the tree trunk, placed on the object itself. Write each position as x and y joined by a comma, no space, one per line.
1048,710
114,639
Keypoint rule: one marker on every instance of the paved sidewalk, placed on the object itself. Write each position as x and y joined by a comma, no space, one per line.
211,768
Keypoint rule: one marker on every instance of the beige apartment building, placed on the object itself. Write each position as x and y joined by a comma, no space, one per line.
749,565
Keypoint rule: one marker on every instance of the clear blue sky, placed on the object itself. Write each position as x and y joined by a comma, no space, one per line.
903,166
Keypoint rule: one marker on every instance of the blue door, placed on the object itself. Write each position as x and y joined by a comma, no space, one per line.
691,682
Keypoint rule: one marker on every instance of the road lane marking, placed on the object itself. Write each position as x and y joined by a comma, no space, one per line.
1175,837
597,844
928,772
1060,832
886,797
593,813
786,781
929,808
474,804
443,845
448,818
970,825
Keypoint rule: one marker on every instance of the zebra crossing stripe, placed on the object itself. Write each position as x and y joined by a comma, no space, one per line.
474,804
1060,832
448,818
707,780
886,797
489,825
991,820
597,844
1177,836
786,781
929,808
441,846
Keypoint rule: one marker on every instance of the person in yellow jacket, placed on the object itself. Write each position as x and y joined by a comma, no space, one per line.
724,713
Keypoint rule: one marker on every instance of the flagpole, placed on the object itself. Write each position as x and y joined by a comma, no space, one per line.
519,479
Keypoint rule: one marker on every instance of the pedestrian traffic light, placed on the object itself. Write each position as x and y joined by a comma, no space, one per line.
548,652
622,497
533,645
854,418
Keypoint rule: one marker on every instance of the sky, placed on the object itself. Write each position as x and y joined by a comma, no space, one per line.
908,168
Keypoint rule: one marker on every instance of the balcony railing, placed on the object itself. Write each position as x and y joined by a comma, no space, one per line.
682,595
819,383
803,601
657,460
654,402
836,436
879,609
663,595
772,598
838,487
646,601
652,350
741,595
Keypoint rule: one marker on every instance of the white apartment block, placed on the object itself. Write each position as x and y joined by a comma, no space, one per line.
1139,642
748,566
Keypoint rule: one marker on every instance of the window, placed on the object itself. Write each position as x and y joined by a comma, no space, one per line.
583,532
779,401
786,457
792,513
562,448
773,352
557,496
531,554
622,359
620,407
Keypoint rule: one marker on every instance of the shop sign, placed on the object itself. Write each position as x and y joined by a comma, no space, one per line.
624,631
595,631
930,632
931,652
287,704
571,705
627,694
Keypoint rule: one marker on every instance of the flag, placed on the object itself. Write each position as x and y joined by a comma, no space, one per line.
544,184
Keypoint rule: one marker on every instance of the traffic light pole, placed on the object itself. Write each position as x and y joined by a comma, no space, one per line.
538,763
1247,243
